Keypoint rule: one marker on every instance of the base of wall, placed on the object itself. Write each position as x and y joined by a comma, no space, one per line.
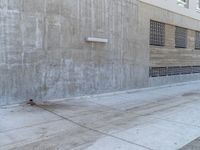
158,81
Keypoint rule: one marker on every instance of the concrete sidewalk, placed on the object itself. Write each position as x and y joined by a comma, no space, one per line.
164,118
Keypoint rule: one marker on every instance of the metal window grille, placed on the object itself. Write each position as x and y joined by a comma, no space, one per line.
157,33
181,37
186,70
195,69
171,71
158,71
197,40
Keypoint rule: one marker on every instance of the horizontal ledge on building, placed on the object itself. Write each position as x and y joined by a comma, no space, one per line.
97,40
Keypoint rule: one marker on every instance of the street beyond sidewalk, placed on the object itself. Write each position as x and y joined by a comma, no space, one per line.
161,118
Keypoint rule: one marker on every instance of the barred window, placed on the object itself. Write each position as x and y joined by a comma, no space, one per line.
173,70
157,33
197,40
181,37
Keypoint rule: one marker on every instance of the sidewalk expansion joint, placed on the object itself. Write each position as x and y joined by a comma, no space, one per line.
91,129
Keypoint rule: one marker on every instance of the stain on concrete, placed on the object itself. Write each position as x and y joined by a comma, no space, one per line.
57,106
191,94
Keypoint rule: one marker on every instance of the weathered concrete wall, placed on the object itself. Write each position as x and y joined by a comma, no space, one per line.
43,53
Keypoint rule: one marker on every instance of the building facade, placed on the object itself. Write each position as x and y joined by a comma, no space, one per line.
55,49
173,41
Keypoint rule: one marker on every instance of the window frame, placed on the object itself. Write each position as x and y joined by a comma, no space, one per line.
157,33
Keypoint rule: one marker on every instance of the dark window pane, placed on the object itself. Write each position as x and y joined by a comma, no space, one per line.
197,40
181,37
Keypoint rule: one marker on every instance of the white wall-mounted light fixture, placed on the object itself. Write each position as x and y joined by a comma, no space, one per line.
97,40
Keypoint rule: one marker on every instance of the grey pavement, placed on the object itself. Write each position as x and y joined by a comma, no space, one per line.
161,118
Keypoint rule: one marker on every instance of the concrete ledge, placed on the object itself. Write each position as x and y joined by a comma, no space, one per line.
152,88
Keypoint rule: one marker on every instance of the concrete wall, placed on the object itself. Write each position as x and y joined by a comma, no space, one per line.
44,55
